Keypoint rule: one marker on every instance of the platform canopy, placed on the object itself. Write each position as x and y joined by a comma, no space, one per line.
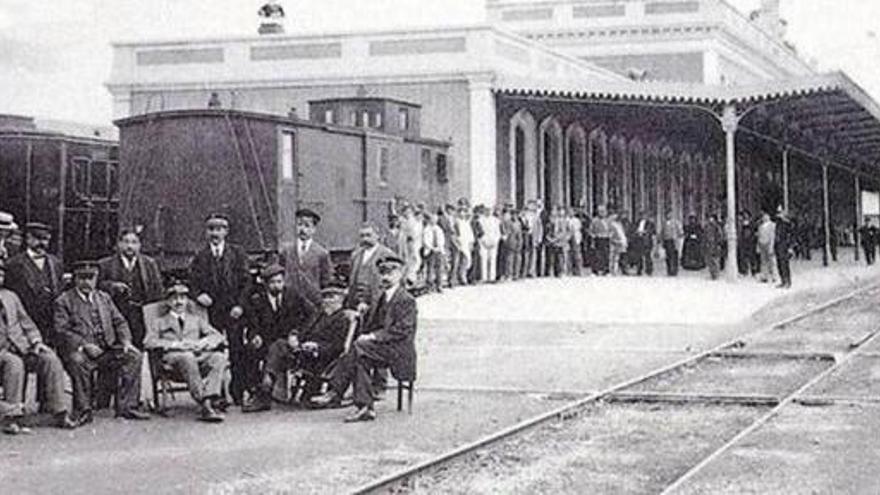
826,115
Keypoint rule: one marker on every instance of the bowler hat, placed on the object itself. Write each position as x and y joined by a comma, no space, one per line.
307,213
38,229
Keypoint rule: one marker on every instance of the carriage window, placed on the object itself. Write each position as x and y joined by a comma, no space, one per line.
99,186
80,176
287,155
442,168
384,159
328,116
404,119
365,118
377,120
113,177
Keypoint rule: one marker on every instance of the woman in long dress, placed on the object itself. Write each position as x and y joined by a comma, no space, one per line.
692,252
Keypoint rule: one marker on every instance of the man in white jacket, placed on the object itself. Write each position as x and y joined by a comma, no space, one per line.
489,244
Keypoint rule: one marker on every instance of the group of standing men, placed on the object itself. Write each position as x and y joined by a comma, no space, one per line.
292,317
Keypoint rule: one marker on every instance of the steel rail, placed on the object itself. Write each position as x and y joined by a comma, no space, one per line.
572,409
766,418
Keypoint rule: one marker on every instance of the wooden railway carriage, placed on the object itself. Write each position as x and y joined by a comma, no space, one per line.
178,166
66,181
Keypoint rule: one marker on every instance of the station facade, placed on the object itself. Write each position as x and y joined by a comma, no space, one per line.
685,106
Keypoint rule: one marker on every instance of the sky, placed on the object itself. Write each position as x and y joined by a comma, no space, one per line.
55,54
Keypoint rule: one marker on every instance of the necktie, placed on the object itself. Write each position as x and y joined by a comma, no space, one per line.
180,323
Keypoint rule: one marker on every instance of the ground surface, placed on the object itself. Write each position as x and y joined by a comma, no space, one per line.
490,357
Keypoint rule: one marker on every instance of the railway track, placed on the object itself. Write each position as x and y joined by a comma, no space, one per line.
404,480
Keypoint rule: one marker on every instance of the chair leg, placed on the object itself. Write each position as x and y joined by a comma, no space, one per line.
409,399
399,396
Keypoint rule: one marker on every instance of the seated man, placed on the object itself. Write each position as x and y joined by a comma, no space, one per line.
388,341
94,336
22,350
276,314
192,348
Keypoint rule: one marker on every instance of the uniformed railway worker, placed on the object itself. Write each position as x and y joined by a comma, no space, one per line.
193,349
22,350
35,275
93,335
276,314
220,280
388,340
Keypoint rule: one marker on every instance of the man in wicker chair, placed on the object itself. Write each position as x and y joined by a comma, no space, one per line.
192,348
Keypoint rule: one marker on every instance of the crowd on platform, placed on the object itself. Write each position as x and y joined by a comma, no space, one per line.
461,244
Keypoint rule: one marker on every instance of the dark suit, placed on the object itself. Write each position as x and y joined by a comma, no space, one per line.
37,289
393,327
80,322
227,281
642,245
294,316
18,336
363,285
314,267
782,247
145,286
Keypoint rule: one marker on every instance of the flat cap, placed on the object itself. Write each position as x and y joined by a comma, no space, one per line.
307,213
37,229
217,220
390,261
85,268
176,288
271,271
333,290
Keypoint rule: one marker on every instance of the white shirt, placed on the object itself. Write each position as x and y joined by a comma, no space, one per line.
389,293
129,263
434,238
368,253
302,246
275,301
89,298
217,249
39,261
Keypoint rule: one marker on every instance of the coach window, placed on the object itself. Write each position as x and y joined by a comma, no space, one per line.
384,165
442,168
99,187
80,176
404,119
377,120
328,116
353,119
113,178
365,118
287,155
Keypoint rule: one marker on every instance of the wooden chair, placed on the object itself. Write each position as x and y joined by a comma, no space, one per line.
165,381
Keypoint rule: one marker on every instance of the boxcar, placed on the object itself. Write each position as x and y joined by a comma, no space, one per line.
179,166
68,182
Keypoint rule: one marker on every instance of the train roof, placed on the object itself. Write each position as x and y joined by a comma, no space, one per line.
274,118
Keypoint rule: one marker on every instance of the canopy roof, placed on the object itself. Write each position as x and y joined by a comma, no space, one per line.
827,114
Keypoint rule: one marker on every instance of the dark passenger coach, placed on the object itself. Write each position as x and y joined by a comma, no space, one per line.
347,162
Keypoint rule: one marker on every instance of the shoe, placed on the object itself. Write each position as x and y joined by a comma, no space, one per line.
362,414
379,394
259,404
14,428
209,415
134,415
221,405
85,417
328,400
65,422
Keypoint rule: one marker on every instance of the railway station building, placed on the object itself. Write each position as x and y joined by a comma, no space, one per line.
681,106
